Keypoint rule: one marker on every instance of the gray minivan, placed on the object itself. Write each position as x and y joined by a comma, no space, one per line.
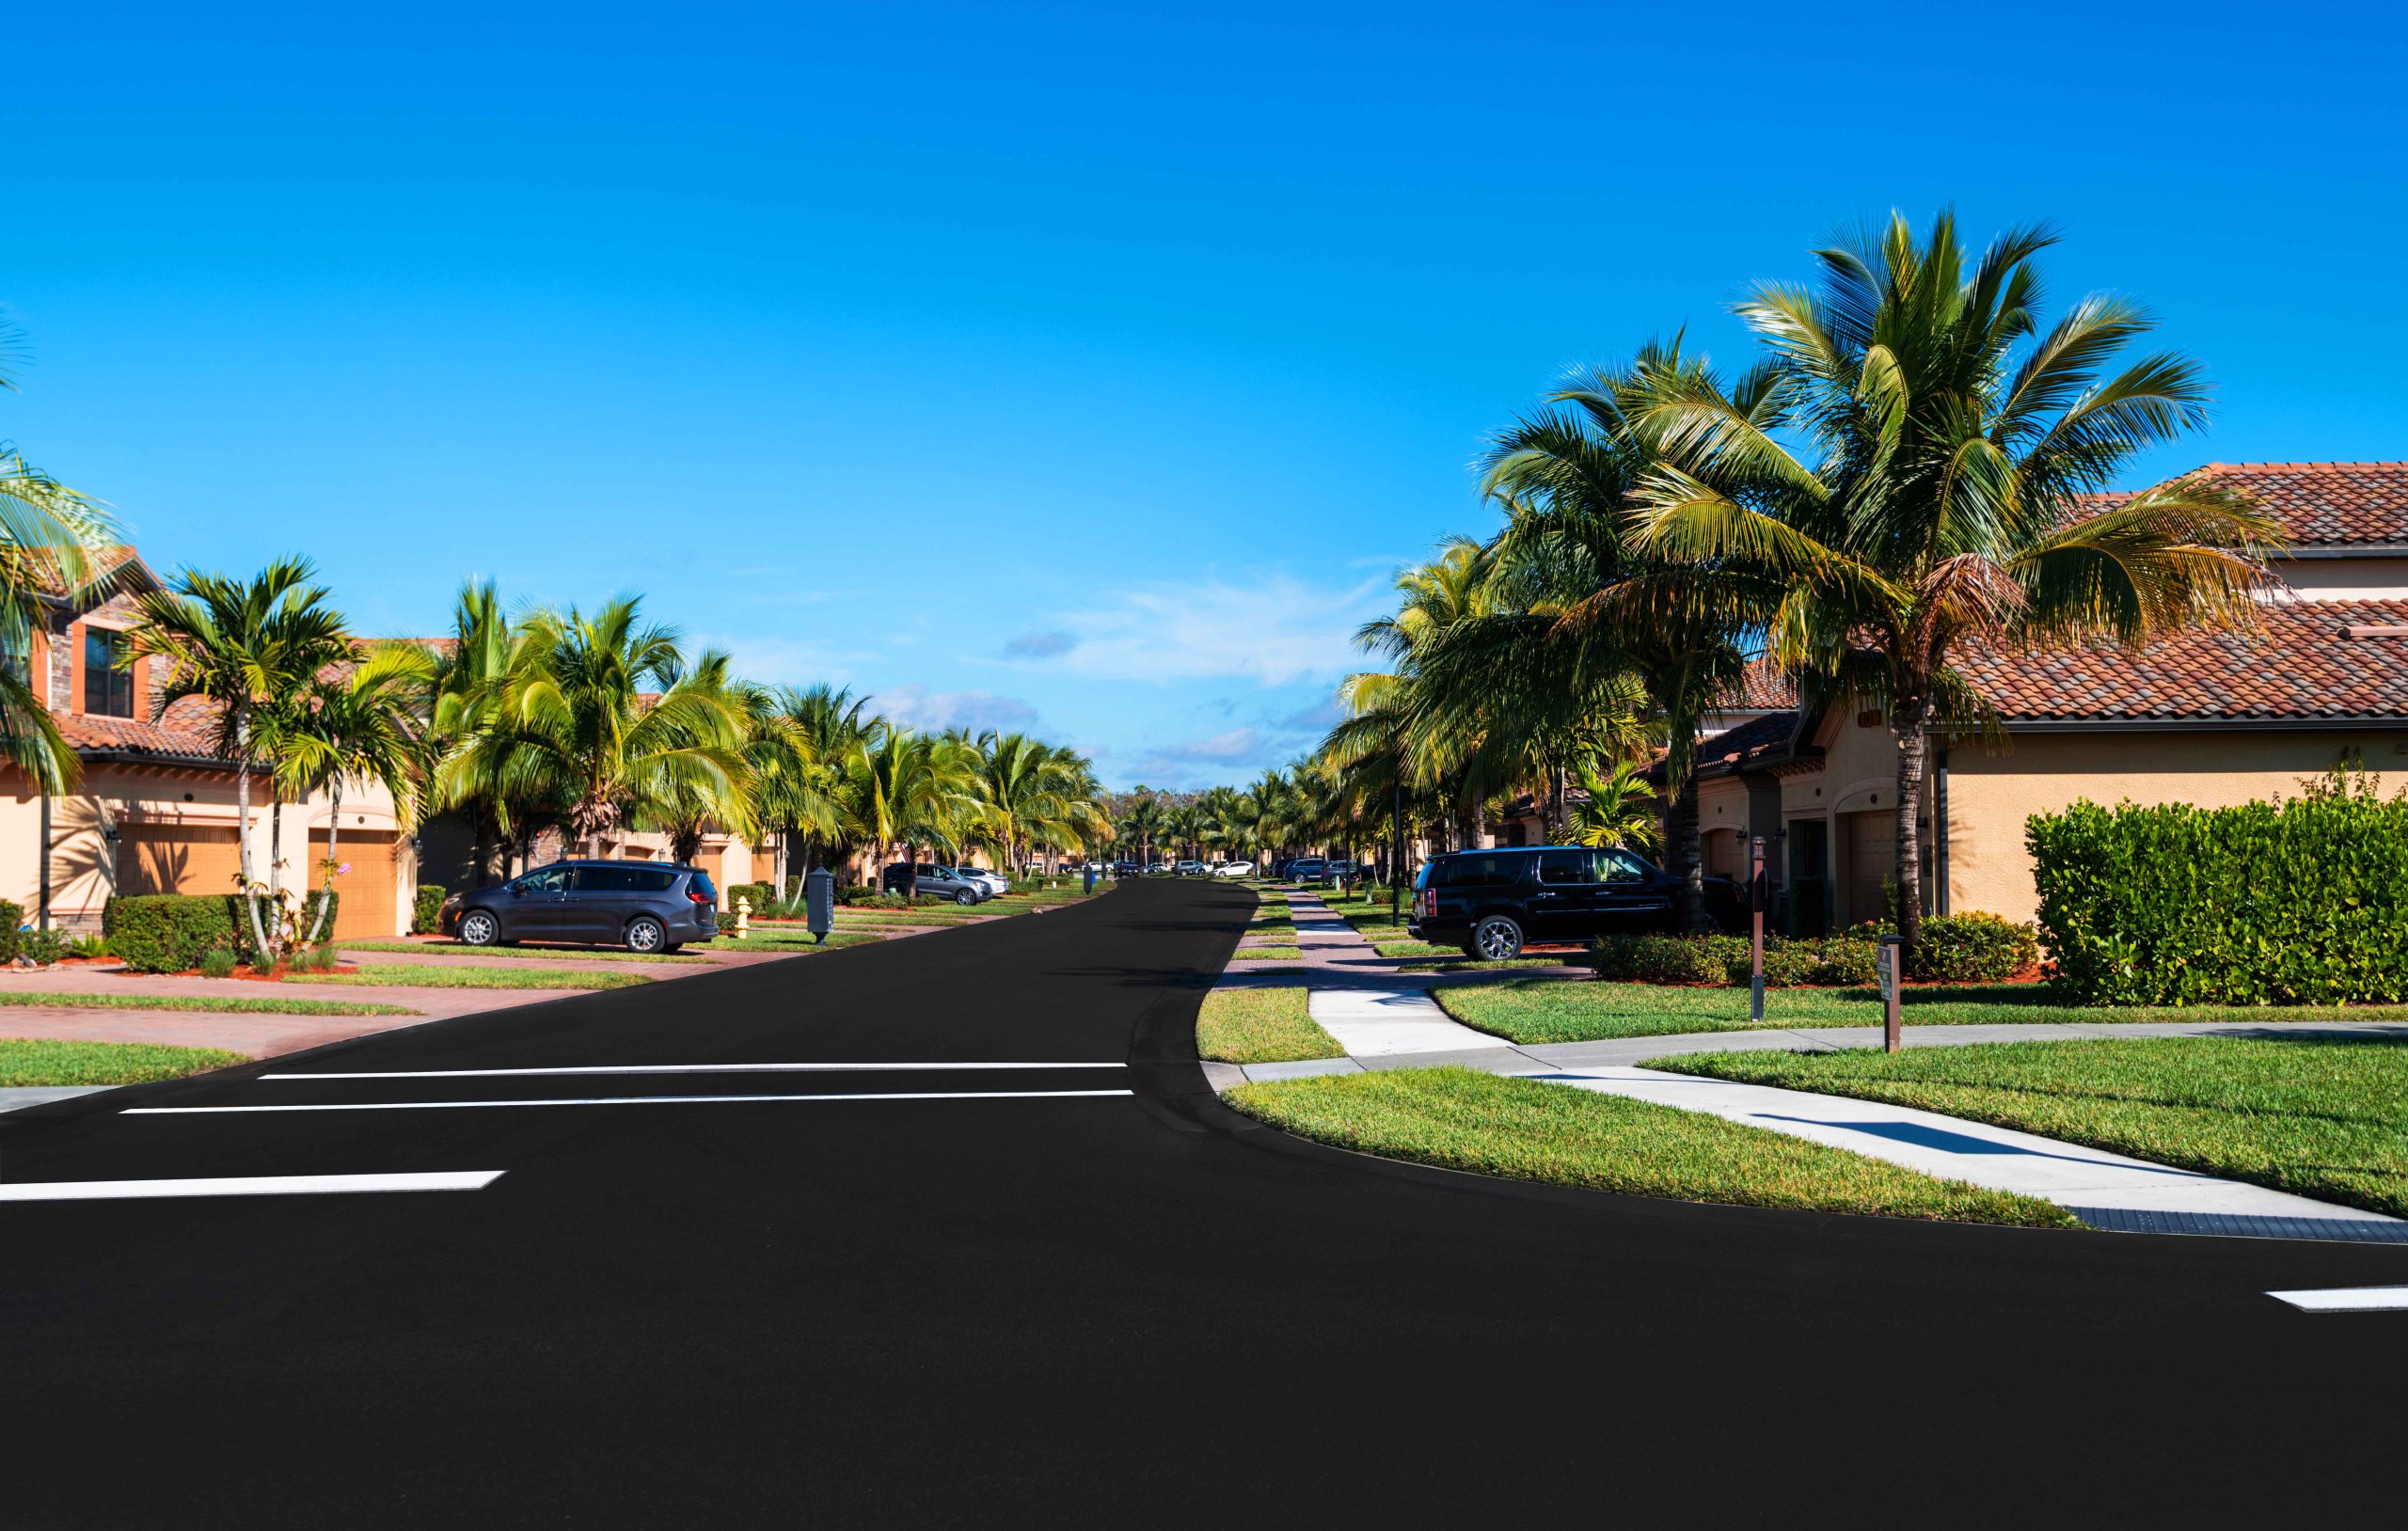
642,906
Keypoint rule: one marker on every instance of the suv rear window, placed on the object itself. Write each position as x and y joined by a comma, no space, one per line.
1480,869
702,885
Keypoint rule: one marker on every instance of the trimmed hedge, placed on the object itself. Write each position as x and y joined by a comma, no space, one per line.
2291,902
12,917
1837,961
763,894
1977,948
427,916
172,932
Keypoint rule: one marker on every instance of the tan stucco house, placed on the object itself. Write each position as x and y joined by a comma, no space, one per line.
2210,719
155,810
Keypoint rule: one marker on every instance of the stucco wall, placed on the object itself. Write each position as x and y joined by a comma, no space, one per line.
2359,578
1989,796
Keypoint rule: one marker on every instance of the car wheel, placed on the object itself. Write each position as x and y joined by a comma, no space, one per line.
645,934
479,927
965,898
1496,938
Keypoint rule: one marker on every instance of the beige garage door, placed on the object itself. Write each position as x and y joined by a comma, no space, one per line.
370,887
177,859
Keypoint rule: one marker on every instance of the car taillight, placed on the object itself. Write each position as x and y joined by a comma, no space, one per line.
696,897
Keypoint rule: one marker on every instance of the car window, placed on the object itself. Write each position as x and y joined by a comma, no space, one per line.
1622,866
550,881
1482,870
606,880
1575,867
702,885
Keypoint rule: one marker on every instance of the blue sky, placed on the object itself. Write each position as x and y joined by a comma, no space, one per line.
1081,368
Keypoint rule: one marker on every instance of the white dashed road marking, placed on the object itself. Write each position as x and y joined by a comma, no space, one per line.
247,1185
677,1068
2347,1300
629,1101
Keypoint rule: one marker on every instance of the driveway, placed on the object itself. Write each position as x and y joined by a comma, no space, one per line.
955,1231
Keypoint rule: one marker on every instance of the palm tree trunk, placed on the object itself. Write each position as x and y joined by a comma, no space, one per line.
1684,845
275,850
1555,806
242,825
1912,725
334,828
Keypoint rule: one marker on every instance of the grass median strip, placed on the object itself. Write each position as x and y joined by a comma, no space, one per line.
2318,1116
1262,1026
440,975
555,954
1269,954
34,1063
213,1004
1526,1129
794,941
1589,1010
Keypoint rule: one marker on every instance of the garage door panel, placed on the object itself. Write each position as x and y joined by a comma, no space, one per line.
370,889
178,859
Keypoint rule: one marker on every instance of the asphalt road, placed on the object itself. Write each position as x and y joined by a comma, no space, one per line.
1124,1309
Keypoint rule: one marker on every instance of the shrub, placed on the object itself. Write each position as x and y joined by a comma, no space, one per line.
217,962
2291,902
1974,949
1730,960
1656,959
88,946
41,947
11,917
763,894
426,917
1842,961
170,932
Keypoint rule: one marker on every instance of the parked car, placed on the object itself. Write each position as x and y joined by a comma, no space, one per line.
1491,902
1309,871
1188,869
1234,869
1124,868
935,881
997,884
642,906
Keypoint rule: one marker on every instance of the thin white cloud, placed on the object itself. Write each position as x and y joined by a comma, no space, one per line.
920,707
1275,632
784,661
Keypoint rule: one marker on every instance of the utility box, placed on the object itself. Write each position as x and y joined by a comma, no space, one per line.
819,902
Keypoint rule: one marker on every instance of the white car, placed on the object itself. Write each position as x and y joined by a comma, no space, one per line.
996,882
1234,869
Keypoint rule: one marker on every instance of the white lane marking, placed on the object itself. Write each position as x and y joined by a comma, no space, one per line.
2347,1300
247,1185
632,1101
677,1068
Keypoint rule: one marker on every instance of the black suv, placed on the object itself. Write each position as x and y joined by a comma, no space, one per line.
1490,902
642,906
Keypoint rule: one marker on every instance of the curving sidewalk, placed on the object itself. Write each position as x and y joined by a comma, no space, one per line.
1395,1024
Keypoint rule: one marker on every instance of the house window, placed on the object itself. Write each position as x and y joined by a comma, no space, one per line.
108,691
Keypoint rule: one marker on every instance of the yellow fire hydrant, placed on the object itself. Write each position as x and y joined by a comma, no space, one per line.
743,915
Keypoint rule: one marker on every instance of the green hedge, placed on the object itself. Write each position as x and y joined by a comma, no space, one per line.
1728,960
763,894
171,932
12,917
2298,902
427,917
1977,948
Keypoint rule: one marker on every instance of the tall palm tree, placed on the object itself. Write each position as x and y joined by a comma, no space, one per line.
910,789
1034,794
361,725
829,723
1951,444
245,646
464,691
574,720
51,538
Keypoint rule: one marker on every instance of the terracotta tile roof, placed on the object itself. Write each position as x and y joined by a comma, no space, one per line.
1752,743
1763,688
2324,504
2305,663
184,734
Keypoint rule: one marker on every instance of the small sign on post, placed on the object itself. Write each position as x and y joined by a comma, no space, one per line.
1756,915
1885,965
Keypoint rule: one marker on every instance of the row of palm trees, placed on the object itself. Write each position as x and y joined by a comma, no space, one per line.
1910,467
593,724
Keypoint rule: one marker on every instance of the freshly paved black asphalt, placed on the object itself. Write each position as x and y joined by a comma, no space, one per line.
1123,1311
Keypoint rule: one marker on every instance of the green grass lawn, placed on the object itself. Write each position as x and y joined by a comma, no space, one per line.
1588,1010
442,976
271,1004
27,1064
798,939
1415,949
1492,1124
1275,926
1465,964
1260,1026
563,953
1269,954
2318,1116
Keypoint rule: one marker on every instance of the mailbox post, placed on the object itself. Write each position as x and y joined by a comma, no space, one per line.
1885,963
1090,875
820,903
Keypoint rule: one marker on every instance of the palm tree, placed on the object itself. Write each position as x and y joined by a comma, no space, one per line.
910,789
1034,794
1953,447
50,541
830,725
245,647
363,725
464,691
1620,811
572,721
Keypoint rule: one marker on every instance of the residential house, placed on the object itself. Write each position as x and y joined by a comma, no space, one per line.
154,809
